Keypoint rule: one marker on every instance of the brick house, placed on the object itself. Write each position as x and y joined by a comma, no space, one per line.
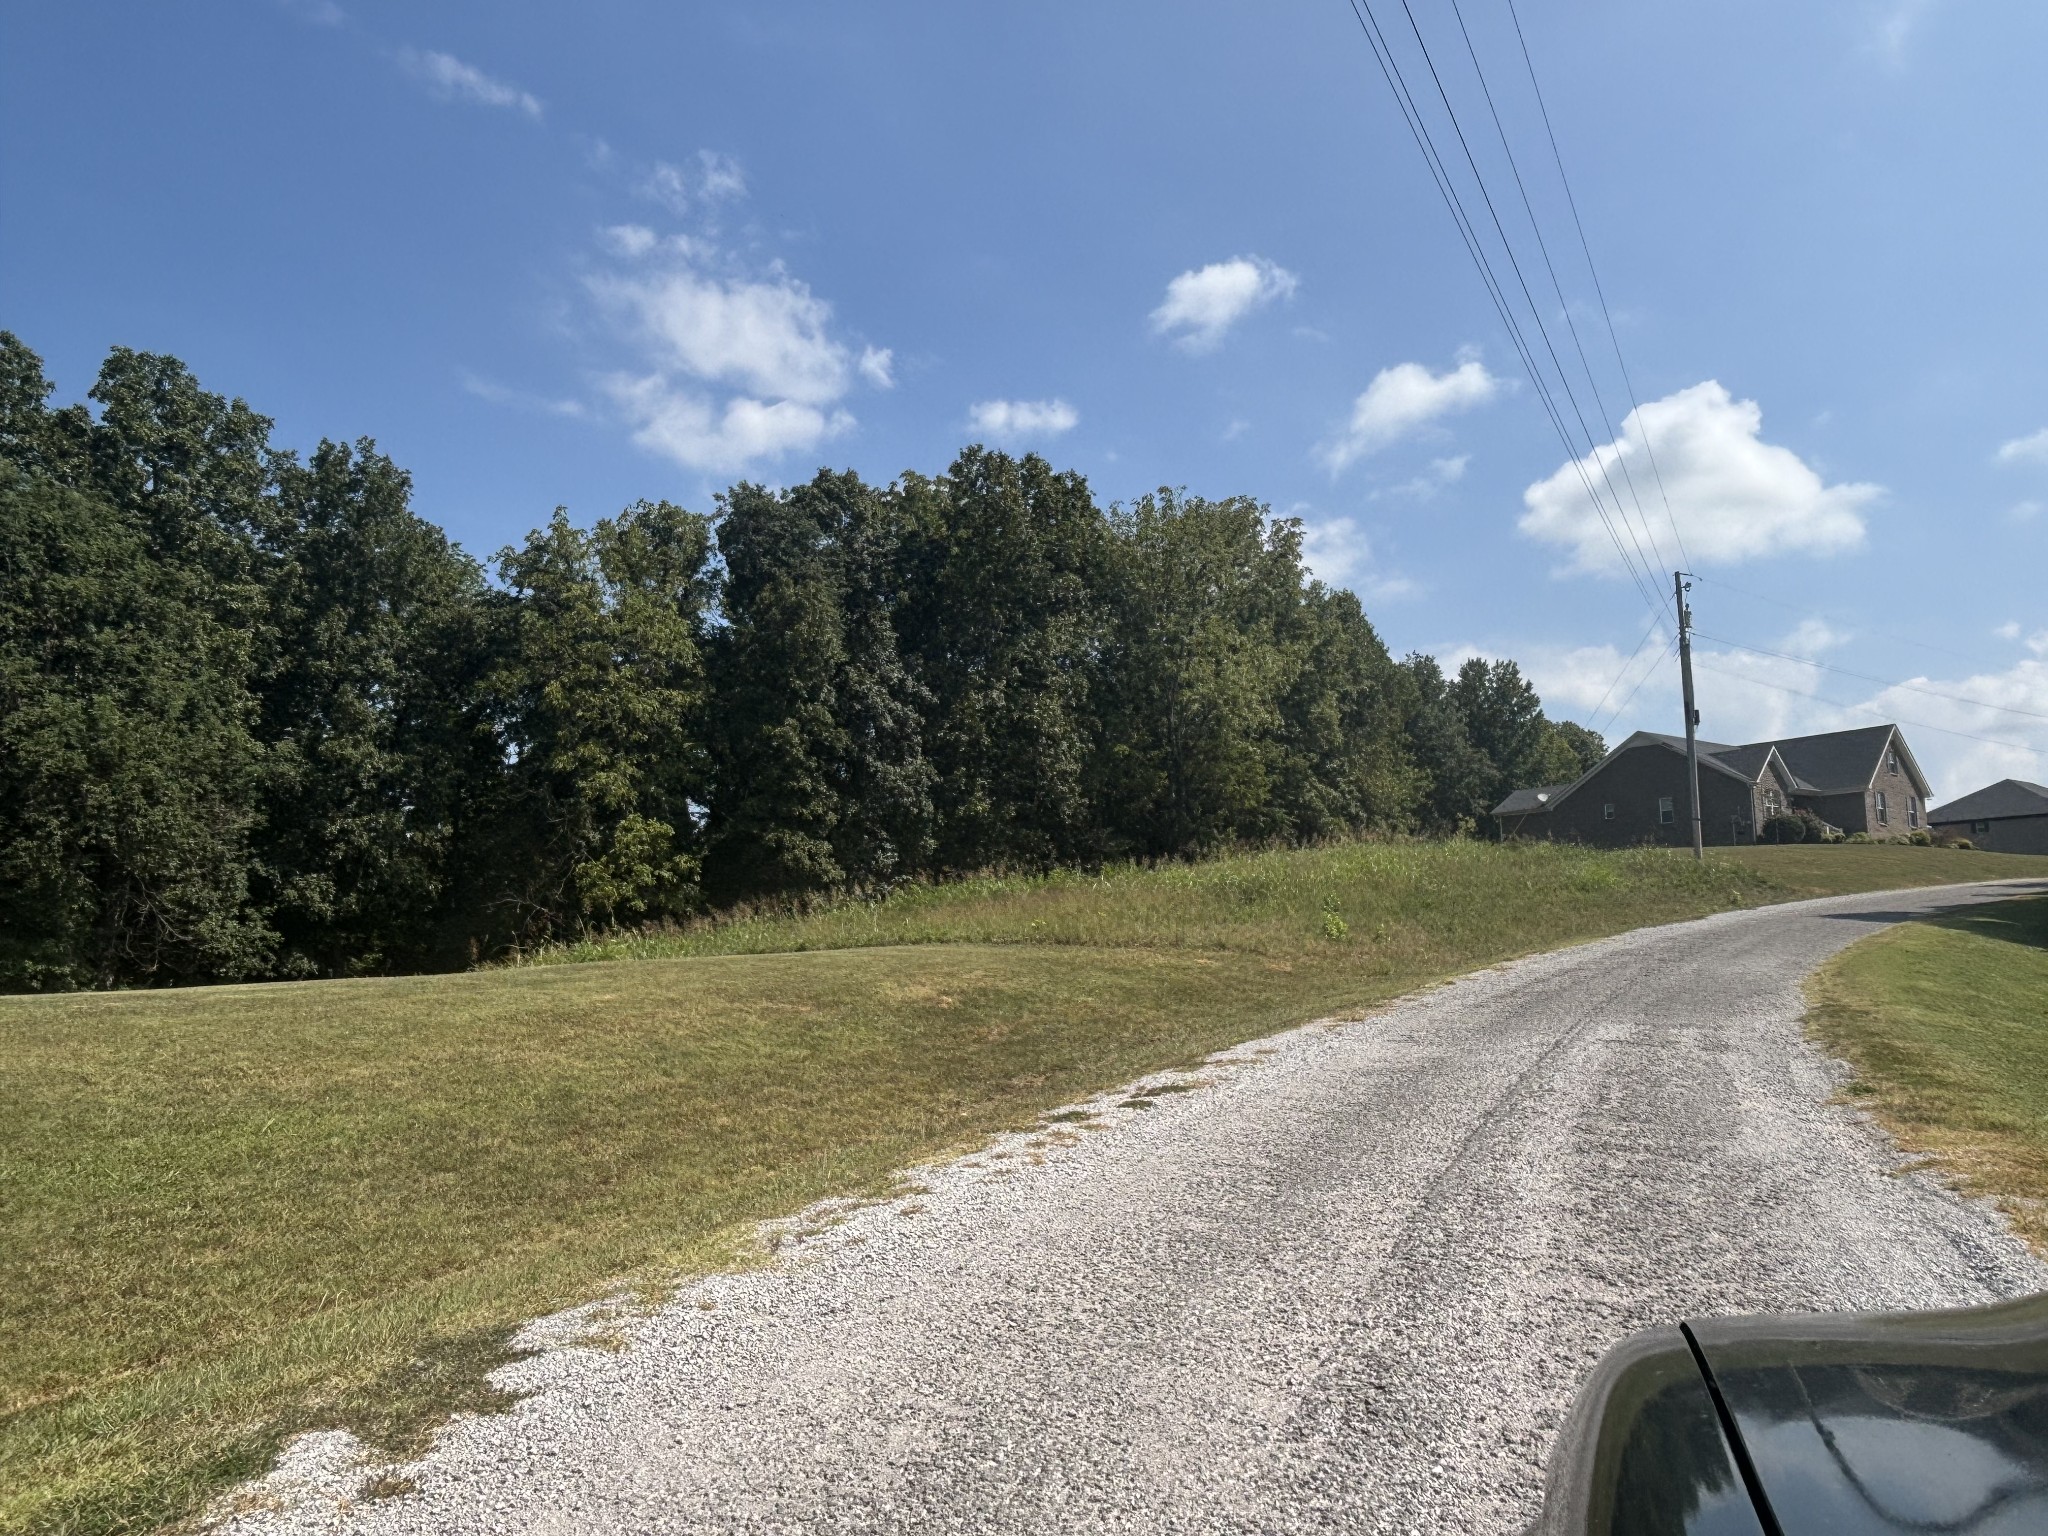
2010,816
1861,781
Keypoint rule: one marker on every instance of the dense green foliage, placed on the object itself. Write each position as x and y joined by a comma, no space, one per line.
258,718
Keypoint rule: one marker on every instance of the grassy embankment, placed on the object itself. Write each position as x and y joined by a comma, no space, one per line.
1946,1025
234,1213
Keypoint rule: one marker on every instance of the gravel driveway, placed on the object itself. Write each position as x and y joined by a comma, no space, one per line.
1348,1283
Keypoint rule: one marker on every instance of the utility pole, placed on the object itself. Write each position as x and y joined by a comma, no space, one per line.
1679,587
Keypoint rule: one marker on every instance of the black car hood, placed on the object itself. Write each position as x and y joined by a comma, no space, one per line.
1889,1423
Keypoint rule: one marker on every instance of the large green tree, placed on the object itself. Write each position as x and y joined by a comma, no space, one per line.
131,622
1000,565
820,778
600,697
1193,672
380,744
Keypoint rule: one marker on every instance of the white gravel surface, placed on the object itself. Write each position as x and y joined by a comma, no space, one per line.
1349,1282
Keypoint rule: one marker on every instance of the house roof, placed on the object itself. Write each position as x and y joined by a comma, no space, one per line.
1524,802
1839,761
2008,797
1833,763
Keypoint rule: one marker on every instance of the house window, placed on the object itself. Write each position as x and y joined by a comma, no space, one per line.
1891,763
1771,806
1883,818
1912,810
1607,811
1665,815
1979,828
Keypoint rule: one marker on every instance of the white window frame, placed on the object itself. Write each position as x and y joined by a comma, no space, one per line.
1884,818
1667,812
1607,811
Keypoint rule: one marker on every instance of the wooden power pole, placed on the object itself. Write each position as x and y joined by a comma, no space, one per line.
1679,587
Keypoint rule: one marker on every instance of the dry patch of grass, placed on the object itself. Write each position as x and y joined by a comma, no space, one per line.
1946,1025
233,1214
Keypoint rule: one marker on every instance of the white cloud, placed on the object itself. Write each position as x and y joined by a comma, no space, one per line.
697,432
1404,398
768,337
2032,449
1895,25
717,176
2024,512
732,368
665,185
1734,496
877,365
1011,420
629,240
722,176
1202,304
500,394
452,80
1338,554
2010,630
321,13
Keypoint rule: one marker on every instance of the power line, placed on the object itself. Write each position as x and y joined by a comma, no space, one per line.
1882,682
1593,271
1563,304
1918,725
1521,281
1663,656
1807,611
1655,621
1411,114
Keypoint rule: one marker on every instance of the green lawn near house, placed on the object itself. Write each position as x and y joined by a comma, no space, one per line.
231,1214
1946,1025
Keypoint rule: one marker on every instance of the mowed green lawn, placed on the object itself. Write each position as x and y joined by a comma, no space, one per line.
231,1214
1946,1023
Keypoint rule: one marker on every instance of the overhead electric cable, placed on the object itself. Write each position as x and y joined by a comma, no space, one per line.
1662,656
1655,621
1563,304
1593,271
1514,263
1411,114
1807,611
1882,682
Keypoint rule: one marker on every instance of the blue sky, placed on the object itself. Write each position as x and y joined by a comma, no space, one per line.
585,254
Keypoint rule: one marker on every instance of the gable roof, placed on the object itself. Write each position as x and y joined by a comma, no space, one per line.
1529,802
1833,762
1836,762
2008,797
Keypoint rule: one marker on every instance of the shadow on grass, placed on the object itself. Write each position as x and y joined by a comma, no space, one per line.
2022,921
2014,922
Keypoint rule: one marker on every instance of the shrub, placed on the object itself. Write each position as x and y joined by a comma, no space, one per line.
1857,837
1921,838
1964,842
1785,827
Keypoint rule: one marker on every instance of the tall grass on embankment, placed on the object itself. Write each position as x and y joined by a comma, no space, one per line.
1946,1024
231,1214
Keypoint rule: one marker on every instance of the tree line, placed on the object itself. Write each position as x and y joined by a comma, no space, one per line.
259,718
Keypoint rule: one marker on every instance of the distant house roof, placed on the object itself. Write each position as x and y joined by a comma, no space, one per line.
1834,763
1525,801
2008,797
1839,761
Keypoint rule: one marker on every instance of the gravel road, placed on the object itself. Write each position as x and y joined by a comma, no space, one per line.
1348,1282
